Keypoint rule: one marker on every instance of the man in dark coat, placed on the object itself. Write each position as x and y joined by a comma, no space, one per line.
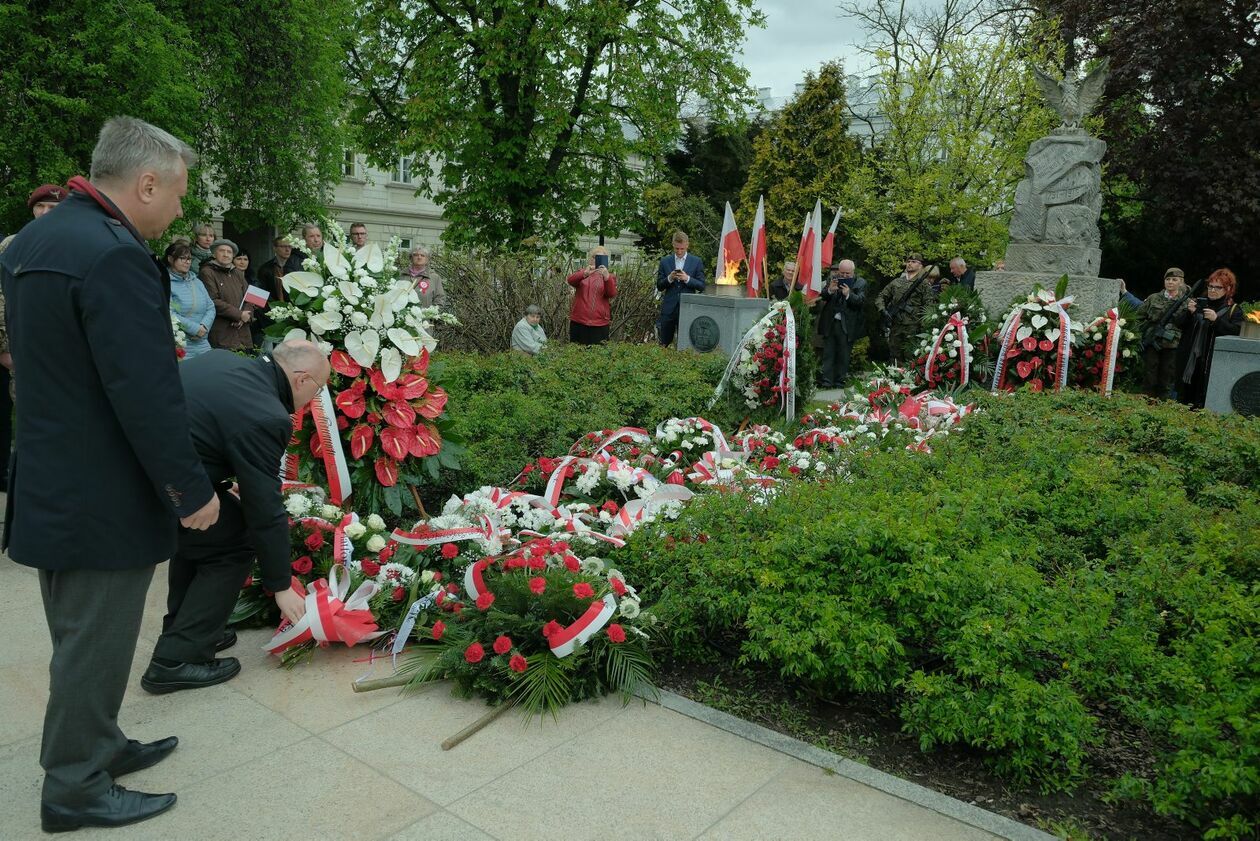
840,322
678,273
239,410
104,469
963,274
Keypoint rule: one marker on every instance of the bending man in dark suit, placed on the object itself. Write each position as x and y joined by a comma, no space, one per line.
678,273
239,411
104,467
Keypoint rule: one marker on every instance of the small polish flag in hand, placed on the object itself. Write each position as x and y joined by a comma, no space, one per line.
257,297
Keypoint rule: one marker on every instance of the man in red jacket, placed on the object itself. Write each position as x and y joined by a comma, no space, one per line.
594,288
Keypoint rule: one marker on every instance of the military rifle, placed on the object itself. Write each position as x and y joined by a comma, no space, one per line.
890,314
1155,333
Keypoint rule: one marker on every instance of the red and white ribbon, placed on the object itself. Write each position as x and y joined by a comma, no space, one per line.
330,616
1007,335
490,532
787,377
1111,349
1065,342
958,326
564,641
636,510
325,417
626,433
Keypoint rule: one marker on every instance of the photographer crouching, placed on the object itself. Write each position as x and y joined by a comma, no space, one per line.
1201,321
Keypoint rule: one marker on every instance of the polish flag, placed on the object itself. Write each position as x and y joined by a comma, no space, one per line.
809,255
805,253
730,248
757,245
829,241
257,297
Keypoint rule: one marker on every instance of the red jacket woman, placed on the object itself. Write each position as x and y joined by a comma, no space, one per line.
594,288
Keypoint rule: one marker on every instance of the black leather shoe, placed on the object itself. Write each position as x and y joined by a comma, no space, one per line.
159,679
139,755
116,807
226,641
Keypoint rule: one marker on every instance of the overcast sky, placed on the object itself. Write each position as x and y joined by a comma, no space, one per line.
799,35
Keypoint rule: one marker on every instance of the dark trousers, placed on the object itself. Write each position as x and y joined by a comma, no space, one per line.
585,334
6,427
665,330
835,358
205,578
94,620
1157,372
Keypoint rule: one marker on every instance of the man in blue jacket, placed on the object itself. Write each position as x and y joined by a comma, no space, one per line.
678,273
104,470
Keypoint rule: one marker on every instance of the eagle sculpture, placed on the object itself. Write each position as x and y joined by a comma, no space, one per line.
1073,99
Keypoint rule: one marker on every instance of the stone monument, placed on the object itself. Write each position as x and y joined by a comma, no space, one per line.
717,319
1054,229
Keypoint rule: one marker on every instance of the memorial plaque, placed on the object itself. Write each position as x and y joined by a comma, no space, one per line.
704,334
1244,397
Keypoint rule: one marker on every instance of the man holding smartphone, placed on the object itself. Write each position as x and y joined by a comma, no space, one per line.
594,288
678,273
841,322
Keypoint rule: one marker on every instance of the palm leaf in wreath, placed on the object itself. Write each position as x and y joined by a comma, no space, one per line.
545,686
629,670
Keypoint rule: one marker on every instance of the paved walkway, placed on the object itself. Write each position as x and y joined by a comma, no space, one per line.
278,754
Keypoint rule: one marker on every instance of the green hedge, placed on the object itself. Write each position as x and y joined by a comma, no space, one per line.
1063,558
510,408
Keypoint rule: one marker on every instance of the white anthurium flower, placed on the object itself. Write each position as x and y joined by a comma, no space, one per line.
295,333
404,341
1023,333
1053,335
363,346
336,263
322,322
1039,321
391,363
349,291
369,256
305,282
382,315
425,339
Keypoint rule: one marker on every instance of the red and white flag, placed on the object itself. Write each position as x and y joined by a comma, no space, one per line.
257,297
730,248
809,255
829,241
805,253
757,251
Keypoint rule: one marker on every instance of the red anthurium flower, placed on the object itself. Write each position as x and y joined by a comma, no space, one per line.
317,446
518,663
343,364
350,401
1046,345
361,440
394,442
1037,385
399,413
387,390
676,478
420,364
1030,343
502,645
434,403
411,386
386,472
424,441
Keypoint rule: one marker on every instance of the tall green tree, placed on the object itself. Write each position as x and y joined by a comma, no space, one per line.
255,87
521,115
957,110
805,153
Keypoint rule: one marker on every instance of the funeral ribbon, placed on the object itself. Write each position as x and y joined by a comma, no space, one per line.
1110,350
1007,334
634,511
489,531
409,621
749,336
1065,342
335,466
958,326
563,642
626,433
787,377
330,616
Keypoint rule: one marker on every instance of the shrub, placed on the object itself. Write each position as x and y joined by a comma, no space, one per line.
1067,553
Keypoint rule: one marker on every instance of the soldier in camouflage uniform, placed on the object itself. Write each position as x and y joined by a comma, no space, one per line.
905,321
1159,357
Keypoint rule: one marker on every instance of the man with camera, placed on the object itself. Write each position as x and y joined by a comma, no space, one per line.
678,273
840,322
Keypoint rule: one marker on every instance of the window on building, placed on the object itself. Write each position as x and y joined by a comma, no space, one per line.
349,165
402,171
404,243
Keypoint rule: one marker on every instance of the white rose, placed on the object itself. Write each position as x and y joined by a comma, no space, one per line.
375,543
297,505
330,512
356,530
1127,353
375,523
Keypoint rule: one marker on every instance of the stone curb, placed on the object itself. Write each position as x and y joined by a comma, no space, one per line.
950,807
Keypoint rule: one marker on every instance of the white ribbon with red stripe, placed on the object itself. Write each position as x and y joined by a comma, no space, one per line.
490,533
957,324
330,615
564,641
1111,350
1007,334
325,417
636,510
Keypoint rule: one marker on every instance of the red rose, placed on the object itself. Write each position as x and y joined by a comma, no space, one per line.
370,567
439,628
502,645
537,585
583,590
388,552
571,563
484,601
618,586
474,653
518,663
399,594
551,628
449,550
616,633
302,565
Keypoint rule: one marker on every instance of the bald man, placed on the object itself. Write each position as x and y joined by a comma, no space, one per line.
239,416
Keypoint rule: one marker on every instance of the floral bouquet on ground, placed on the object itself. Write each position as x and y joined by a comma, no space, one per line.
955,332
541,628
1102,350
1034,344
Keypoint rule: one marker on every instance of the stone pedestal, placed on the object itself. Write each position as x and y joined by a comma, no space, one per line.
1051,258
1234,382
713,322
1091,296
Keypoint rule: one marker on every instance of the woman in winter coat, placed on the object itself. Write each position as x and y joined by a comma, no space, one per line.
227,286
1201,321
190,304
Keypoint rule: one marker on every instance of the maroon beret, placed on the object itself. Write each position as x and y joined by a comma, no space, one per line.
47,192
